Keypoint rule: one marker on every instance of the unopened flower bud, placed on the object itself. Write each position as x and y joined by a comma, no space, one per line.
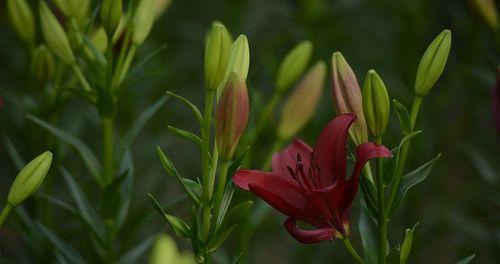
375,103
81,10
231,116
432,63
42,64
99,40
166,251
65,6
110,15
347,97
301,104
217,45
161,7
21,16
293,65
238,61
143,21
54,35
29,179
487,10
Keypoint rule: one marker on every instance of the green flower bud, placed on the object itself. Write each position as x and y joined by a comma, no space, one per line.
66,6
217,45
301,104
432,63
110,15
54,35
42,64
29,179
487,10
347,97
21,16
100,41
165,251
231,116
293,65
143,21
161,6
375,103
238,61
81,10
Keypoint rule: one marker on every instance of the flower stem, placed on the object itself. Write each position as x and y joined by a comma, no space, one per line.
5,212
219,193
205,163
417,102
382,222
108,149
351,250
79,74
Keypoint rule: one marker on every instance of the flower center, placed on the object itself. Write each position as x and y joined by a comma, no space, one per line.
310,181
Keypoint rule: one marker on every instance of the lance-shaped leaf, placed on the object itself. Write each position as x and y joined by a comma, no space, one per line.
232,219
186,135
403,117
368,233
134,130
180,228
406,247
391,168
226,201
86,154
467,259
126,189
82,203
196,111
410,180
171,170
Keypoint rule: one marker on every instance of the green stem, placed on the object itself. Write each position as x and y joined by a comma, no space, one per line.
417,102
205,162
5,212
382,223
79,74
123,70
221,186
353,251
108,149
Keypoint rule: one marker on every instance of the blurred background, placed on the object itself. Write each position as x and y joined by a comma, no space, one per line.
458,207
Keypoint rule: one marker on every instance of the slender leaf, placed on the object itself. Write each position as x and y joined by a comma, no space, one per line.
97,54
391,170
410,180
82,203
88,157
196,111
236,214
70,254
126,190
220,237
146,59
368,233
129,137
467,259
171,170
403,117
13,153
186,135
135,254
180,228
406,247
226,201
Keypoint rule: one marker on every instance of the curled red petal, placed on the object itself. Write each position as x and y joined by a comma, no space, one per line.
308,236
282,193
331,148
288,157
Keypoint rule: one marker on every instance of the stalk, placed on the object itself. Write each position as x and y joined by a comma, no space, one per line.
417,102
207,191
108,149
219,193
352,251
79,74
5,212
382,223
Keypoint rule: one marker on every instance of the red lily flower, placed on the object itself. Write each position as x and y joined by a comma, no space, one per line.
310,185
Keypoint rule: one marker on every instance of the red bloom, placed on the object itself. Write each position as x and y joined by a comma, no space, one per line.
310,185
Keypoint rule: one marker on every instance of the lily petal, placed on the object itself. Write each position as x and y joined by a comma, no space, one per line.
331,148
308,236
282,193
288,157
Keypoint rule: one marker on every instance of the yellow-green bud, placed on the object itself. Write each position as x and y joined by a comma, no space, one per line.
29,179
432,63
110,15
42,64
487,10
231,116
21,16
347,97
81,10
100,41
66,6
238,61
301,104
54,35
165,251
293,65
217,45
375,103
143,21
161,7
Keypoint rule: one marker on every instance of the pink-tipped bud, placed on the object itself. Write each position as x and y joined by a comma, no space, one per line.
231,116
347,96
